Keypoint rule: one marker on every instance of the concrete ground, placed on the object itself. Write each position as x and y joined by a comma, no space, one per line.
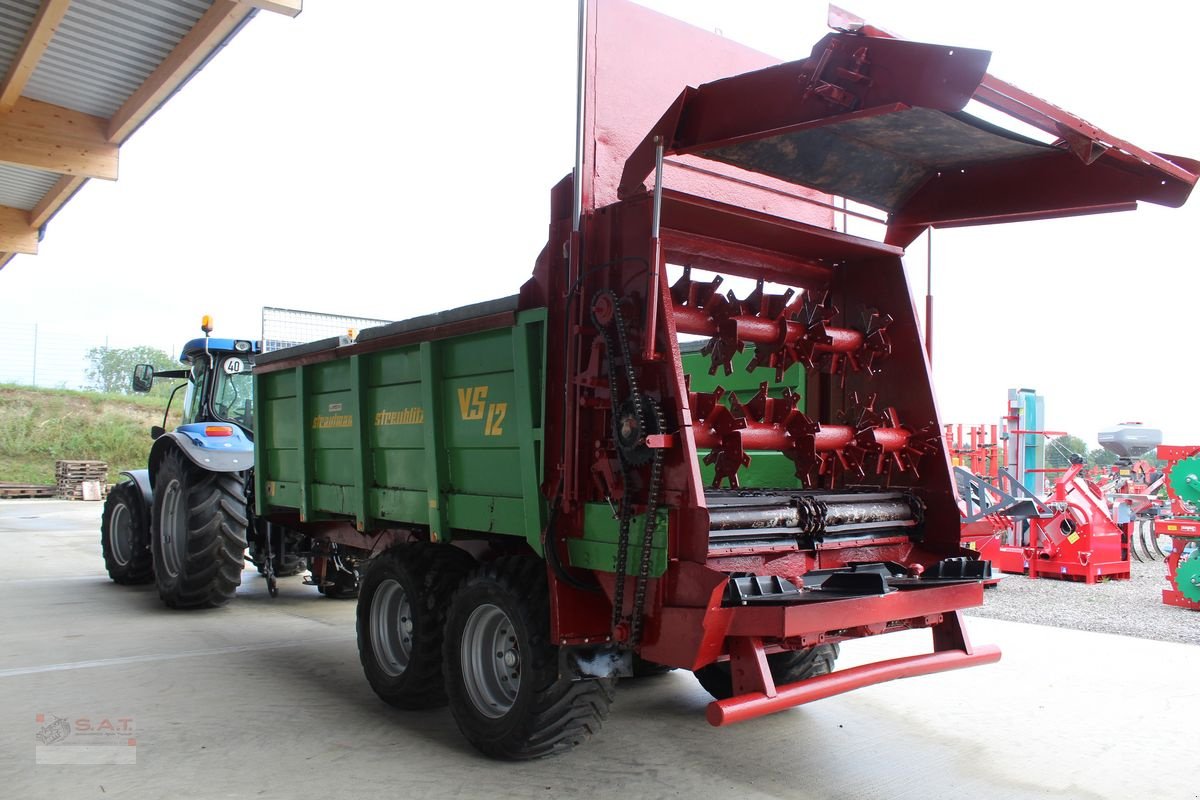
265,698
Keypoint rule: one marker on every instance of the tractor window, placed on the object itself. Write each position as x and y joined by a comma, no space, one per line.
233,399
194,397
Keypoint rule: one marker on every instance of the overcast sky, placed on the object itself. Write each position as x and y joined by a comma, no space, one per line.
388,159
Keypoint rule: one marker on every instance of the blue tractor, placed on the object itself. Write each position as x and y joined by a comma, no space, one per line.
186,522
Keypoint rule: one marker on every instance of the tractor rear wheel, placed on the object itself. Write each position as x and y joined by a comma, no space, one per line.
401,614
502,671
198,533
788,666
125,536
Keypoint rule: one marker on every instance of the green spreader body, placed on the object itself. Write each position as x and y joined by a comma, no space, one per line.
426,428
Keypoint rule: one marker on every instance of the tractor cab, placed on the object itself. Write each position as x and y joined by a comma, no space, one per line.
219,386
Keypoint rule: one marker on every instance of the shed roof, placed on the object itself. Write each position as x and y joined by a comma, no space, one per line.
78,77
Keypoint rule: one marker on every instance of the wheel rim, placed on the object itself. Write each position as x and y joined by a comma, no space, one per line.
392,627
120,534
491,661
170,529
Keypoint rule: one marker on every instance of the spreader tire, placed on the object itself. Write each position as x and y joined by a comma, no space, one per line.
125,536
788,666
401,615
502,671
198,533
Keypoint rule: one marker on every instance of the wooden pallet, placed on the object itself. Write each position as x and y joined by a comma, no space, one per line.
81,480
11,490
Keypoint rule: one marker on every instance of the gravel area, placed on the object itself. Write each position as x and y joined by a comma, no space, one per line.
1130,608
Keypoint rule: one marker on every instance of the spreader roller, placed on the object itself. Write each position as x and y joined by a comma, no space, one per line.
749,519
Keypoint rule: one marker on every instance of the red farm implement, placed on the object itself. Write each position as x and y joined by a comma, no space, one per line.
617,493
1182,524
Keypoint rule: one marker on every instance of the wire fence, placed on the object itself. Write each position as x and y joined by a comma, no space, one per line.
284,327
50,357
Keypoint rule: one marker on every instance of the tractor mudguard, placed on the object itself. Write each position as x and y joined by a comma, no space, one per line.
142,478
233,453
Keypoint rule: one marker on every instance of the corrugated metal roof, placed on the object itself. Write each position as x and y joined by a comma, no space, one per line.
105,49
23,188
15,19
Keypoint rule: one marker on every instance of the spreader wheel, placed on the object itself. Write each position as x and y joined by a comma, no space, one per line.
788,666
401,612
502,672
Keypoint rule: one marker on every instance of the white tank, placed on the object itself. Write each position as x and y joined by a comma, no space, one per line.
1130,439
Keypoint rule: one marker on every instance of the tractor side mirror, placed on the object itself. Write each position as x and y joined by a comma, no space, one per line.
143,377
157,431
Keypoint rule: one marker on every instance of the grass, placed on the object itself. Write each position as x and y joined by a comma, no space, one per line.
41,426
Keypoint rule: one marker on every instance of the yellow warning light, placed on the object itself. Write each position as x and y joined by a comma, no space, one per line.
206,323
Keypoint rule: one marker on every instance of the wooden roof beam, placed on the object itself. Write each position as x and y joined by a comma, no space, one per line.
16,234
37,39
221,19
53,200
5,258
47,137
291,8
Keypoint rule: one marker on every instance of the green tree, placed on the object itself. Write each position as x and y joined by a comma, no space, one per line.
1060,448
111,368
1101,458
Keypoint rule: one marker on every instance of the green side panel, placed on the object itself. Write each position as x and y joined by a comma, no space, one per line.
284,494
335,467
331,499
329,376
477,354
397,505
277,423
434,442
597,548
485,471
276,385
396,416
300,408
529,365
401,469
446,434
487,514
282,465
364,475
767,469
402,365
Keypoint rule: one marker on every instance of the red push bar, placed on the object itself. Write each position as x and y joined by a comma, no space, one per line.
757,704
952,650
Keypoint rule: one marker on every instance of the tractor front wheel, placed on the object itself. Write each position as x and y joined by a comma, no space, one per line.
125,536
502,671
198,533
